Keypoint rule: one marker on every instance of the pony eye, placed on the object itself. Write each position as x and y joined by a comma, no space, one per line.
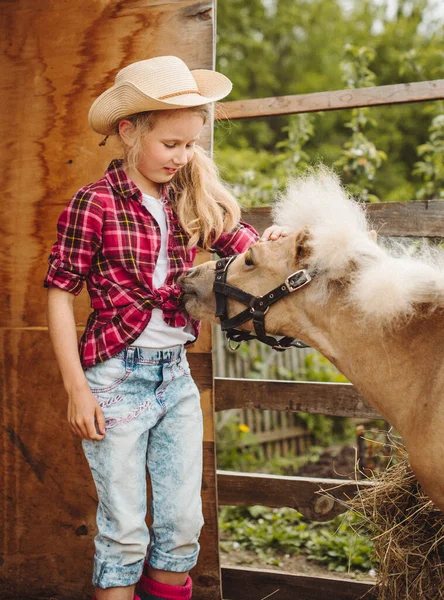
249,259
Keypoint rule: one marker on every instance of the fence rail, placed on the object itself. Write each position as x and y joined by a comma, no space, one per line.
400,93
338,399
405,219
251,584
277,491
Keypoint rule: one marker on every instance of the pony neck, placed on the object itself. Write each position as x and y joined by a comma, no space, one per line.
394,370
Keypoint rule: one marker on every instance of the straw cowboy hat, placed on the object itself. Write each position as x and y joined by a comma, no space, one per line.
159,83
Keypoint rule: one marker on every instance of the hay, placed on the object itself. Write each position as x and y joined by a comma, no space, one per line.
408,535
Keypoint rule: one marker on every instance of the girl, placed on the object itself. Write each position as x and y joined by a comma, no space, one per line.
132,399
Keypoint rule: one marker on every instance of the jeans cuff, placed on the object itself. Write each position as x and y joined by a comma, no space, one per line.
173,562
108,575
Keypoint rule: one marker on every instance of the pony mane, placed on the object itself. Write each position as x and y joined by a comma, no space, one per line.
385,283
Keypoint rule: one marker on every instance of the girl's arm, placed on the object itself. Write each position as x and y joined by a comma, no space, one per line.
84,412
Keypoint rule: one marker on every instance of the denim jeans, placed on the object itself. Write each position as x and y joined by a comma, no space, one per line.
153,422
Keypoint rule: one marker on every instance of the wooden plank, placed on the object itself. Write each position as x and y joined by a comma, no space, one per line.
47,89
253,584
400,93
338,399
286,433
415,219
276,435
201,369
300,493
46,493
206,575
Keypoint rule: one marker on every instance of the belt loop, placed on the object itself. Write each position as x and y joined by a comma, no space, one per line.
131,357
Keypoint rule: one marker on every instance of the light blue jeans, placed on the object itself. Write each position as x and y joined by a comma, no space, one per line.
153,421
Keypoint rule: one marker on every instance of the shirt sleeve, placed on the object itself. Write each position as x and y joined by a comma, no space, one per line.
240,239
79,236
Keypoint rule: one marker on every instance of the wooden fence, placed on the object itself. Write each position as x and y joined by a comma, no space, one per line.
424,219
276,433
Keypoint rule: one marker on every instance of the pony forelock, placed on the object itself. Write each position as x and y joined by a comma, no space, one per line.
385,284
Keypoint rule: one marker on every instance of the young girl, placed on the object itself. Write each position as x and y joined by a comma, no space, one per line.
132,399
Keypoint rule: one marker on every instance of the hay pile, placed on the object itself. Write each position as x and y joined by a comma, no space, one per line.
408,534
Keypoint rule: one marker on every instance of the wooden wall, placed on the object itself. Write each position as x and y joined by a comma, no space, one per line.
57,56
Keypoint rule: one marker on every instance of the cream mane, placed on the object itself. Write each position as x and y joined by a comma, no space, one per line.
386,284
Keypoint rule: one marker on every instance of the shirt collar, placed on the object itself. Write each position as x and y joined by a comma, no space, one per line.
124,186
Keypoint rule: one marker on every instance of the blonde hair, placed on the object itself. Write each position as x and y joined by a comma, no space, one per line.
204,205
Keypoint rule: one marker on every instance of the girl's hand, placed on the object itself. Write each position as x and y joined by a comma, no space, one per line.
373,234
84,413
273,233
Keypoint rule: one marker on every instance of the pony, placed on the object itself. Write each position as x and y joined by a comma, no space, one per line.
376,311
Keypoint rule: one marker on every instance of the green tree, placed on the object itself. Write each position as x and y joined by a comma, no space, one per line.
431,167
278,47
360,158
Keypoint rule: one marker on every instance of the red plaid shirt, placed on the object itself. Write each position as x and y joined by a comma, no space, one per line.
108,238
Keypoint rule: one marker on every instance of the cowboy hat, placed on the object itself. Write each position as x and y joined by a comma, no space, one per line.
159,83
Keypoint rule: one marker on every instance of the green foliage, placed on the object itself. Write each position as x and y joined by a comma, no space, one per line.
258,176
341,547
360,158
292,159
284,47
318,368
431,167
237,448
265,531
342,544
355,66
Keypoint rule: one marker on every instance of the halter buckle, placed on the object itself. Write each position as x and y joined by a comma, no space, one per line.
293,282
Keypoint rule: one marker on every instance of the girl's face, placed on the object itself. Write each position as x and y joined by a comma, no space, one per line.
167,147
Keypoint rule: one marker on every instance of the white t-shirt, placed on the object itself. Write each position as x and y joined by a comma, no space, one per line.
157,334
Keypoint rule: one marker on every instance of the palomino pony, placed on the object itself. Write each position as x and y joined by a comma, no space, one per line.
377,315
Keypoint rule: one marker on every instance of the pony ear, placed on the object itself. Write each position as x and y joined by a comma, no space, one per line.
302,249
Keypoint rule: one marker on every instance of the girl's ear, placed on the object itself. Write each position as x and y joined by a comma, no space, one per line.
302,249
127,132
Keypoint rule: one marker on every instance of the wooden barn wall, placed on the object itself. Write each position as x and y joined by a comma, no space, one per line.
57,56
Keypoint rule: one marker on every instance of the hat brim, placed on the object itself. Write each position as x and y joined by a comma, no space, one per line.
127,99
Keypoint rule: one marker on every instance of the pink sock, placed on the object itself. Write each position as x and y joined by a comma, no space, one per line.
135,598
165,591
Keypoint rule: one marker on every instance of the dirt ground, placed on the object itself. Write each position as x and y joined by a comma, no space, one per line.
293,564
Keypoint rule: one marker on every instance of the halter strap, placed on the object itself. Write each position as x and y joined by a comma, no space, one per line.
257,306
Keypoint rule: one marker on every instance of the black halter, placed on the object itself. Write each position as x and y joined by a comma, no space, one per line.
258,306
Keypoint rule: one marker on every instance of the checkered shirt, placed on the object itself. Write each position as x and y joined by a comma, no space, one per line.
107,238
